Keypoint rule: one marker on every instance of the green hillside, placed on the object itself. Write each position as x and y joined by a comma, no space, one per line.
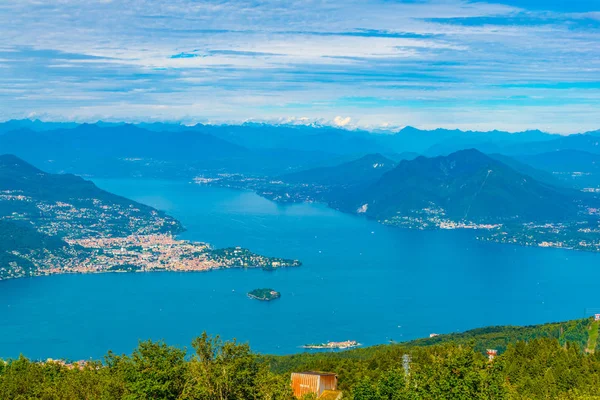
18,239
38,210
464,185
575,332
70,206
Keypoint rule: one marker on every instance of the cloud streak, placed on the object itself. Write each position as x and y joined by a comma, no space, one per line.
513,64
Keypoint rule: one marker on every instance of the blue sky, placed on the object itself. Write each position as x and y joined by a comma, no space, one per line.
378,64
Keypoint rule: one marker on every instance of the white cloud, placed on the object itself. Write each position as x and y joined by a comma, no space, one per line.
341,121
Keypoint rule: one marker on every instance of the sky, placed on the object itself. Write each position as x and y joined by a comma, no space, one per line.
377,64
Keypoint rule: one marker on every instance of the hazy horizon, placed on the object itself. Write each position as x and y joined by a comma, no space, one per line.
306,124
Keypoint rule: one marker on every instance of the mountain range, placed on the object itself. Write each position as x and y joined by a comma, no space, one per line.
131,151
164,150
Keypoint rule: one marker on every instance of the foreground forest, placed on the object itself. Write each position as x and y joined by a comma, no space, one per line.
551,361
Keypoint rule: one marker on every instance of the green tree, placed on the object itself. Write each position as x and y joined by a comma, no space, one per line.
154,371
229,370
366,390
392,385
448,372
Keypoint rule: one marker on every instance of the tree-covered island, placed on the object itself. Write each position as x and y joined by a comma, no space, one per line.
264,294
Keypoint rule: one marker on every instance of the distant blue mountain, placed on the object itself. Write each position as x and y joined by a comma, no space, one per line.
128,150
34,125
540,174
567,160
588,142
582,142
574,167
367,169
446,141
172,150
325,139
305,138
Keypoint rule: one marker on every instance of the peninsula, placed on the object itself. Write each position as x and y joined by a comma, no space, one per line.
56,224
348,344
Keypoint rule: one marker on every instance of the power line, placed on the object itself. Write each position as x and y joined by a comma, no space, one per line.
477,193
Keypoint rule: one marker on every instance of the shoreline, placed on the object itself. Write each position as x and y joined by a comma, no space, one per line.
142,253
540,244
415,341
260,298
151,271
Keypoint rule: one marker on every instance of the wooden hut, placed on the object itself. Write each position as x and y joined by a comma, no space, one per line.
304,383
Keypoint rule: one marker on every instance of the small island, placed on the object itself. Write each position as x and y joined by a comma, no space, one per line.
348,344
264,294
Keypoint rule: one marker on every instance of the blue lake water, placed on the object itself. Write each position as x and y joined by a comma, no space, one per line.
360,281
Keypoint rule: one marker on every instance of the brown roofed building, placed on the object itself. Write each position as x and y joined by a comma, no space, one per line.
304,383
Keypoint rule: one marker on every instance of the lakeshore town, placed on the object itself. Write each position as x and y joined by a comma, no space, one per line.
575,235
113,235
347,344
141,253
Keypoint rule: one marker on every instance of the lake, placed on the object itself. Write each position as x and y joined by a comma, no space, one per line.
360,281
